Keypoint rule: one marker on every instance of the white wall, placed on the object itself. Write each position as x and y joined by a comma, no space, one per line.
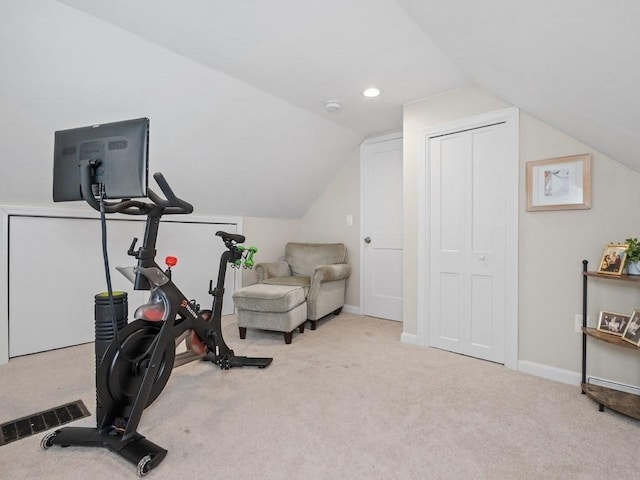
269,235
325,221
552,247
551,244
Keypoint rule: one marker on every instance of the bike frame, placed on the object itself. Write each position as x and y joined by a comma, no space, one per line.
179,317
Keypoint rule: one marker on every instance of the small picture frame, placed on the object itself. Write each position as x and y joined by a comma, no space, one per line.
561,183
613,258
613,323
632,332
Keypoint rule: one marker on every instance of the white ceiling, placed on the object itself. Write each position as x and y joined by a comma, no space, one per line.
571,63
303,52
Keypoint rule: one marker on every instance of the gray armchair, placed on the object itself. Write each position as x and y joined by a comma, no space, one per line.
319,268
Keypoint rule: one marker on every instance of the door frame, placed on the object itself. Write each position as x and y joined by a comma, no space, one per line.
510,117
368,141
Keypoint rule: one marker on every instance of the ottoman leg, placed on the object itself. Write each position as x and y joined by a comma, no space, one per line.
302,327
243,332
313,324
287,337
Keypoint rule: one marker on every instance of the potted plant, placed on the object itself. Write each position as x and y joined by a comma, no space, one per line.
633,256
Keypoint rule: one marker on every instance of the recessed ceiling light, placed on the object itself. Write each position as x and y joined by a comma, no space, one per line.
371,92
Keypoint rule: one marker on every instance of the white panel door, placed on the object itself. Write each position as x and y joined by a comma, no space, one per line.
467,258
381,165
55,269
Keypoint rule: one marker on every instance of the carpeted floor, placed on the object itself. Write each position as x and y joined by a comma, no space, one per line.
346,401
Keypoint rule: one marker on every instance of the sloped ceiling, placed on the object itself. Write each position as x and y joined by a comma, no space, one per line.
305,53
571,63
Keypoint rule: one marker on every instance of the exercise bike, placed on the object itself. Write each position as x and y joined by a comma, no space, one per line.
138,362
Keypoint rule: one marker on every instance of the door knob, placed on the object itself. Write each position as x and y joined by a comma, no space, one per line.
480,257
367,240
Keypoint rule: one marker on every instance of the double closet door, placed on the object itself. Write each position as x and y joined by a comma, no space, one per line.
55,269
467,237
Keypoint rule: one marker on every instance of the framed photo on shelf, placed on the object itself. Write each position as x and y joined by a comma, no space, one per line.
613,258
632,332
614,323
562,183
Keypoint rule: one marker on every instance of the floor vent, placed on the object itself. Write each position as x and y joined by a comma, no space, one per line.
39,422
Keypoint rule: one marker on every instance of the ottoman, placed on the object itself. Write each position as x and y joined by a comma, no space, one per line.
280,308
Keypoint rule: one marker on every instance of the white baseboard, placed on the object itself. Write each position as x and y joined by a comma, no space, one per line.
410,339
571,378
603,382
551,373
351,309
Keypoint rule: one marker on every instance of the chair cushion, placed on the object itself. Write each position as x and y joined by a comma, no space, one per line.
304,257
303,282
268,298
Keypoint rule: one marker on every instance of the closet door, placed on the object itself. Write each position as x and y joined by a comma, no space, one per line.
56,269
468,241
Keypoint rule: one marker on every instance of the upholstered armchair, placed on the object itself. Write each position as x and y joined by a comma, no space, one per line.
319,268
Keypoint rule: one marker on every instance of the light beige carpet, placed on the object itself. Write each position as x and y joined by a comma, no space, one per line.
346,401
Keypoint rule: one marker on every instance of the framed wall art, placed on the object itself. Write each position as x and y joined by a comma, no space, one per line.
613,258
562,183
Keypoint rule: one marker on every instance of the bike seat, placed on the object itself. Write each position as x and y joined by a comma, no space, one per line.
226,237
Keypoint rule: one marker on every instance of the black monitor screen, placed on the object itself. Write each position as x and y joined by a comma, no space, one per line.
122,153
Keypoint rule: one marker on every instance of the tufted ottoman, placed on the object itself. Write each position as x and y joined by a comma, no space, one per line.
280,308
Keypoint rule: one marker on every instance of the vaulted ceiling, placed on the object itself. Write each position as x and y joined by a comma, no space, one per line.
571,63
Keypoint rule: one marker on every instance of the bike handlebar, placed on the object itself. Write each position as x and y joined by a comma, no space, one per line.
171,205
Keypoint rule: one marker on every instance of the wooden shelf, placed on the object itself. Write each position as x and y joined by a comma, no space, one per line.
623,402
609,338
623,278
626,403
